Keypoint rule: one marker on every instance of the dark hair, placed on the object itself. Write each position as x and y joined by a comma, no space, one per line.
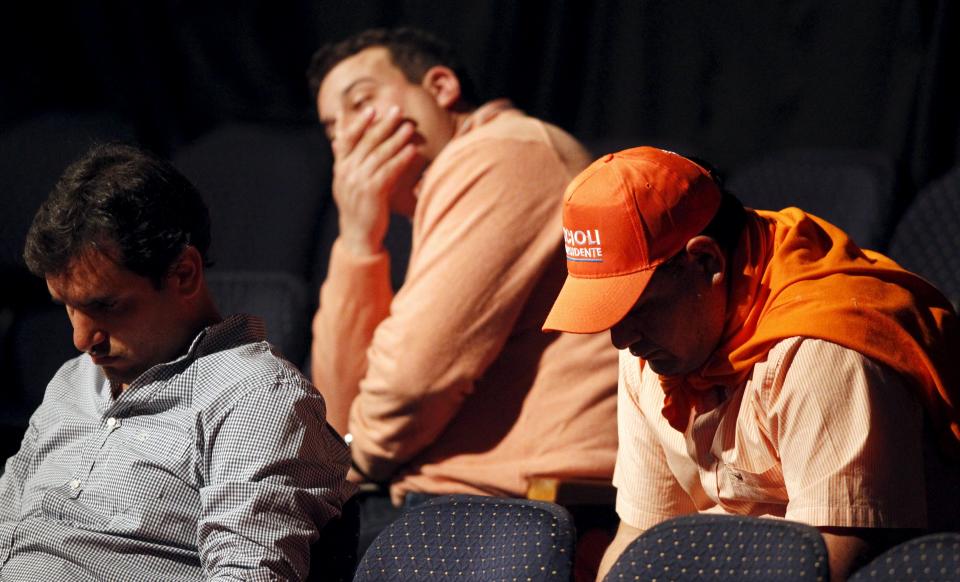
119,199
413,51
727,224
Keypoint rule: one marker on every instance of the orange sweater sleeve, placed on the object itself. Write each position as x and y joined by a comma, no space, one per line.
486,227
354,299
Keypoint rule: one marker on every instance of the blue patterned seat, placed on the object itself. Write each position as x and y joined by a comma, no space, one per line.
724,547
280,299
469,537
854,189
927,558
927,238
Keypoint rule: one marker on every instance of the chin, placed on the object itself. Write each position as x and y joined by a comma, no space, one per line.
670,367
662,368
119,376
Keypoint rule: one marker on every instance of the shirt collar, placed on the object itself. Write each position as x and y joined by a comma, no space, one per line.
482,115
234,331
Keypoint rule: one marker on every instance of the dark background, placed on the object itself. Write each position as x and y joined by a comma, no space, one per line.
727,81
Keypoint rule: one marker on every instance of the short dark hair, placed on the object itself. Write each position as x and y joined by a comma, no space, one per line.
119,199
727,224
413,51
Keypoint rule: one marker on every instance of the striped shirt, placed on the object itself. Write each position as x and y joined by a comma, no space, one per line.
218,465
819,434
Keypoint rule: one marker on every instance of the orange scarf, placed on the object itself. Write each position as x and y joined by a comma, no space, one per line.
797,275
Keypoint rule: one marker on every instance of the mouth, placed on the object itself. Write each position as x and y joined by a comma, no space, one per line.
103,360
644,354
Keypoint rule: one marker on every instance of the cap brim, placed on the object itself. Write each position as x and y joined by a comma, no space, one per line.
595,305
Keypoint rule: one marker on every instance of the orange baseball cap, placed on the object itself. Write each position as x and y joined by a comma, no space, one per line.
623,216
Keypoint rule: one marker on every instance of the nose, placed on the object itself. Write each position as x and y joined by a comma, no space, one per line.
87,334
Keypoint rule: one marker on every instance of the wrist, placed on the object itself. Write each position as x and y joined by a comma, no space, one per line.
362,246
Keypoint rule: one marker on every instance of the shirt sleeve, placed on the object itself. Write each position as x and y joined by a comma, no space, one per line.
487,226
15,474
647,490
273,473
354,299
849,432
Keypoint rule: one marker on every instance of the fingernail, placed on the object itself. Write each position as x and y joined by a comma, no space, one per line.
394,109
368,111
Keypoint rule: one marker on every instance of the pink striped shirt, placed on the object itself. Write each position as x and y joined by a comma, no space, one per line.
819,434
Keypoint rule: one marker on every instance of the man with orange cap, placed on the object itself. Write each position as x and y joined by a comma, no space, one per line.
768,365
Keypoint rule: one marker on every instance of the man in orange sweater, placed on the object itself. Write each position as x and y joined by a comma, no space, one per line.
768,365
449,386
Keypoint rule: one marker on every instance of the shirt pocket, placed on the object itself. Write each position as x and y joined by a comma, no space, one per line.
754,486
156,494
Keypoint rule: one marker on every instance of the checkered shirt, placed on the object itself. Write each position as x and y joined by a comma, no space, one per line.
216,466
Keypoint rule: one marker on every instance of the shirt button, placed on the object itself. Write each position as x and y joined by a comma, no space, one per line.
111,422
75,484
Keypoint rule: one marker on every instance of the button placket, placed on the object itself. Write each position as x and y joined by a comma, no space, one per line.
75,486
700,439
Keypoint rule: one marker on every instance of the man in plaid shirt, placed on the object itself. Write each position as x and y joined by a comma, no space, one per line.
178,446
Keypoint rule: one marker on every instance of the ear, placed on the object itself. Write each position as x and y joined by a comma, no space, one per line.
443,84
708,257
186,274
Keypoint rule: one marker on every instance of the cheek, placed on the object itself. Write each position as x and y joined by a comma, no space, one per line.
679,328
664,327
135,328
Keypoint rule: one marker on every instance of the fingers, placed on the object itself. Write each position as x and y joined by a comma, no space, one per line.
346,135
368,132
371,157
390,146
390,171
378,132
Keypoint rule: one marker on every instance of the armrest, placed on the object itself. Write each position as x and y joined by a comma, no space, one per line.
571,491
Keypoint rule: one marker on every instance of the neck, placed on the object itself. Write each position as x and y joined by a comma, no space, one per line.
207,314
459,119
203,315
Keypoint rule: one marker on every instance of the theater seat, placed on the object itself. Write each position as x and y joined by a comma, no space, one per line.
854,189
924,559
280,299
33,155
927,238
724,547
470,537
592,504
267,187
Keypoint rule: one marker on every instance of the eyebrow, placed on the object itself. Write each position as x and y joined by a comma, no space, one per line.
356,82
102,300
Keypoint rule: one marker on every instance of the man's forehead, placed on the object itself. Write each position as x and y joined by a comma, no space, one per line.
372,63
90,276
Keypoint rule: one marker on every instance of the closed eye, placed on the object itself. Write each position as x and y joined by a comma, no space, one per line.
101,306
